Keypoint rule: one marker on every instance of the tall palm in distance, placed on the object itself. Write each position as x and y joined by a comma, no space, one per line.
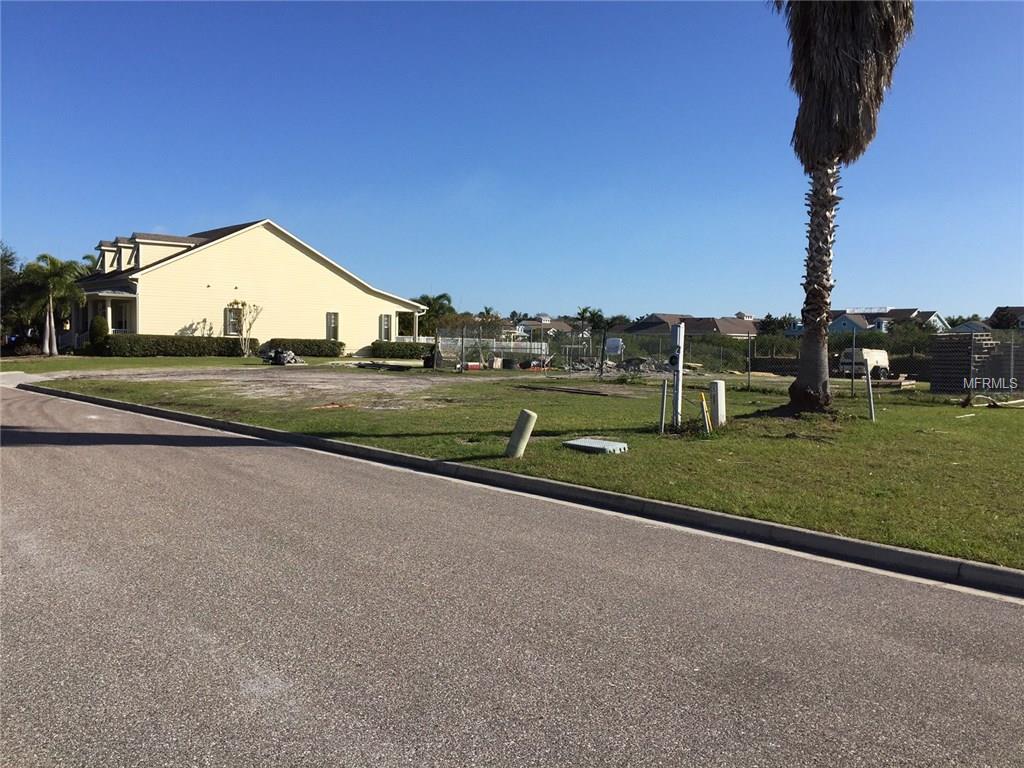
843,57
583,315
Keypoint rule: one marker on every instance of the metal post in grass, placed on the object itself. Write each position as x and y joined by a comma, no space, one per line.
462,352
750,361
971,370
1013,374
664,402
853,363
871,395
676,361
604,350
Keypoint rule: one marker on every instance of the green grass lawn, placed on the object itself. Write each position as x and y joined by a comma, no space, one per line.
73,363
920,477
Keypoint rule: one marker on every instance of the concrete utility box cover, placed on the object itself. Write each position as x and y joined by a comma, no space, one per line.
592,445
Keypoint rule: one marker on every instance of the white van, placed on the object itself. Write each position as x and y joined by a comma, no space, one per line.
860,361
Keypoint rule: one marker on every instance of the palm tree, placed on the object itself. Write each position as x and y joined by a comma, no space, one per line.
90,261
615,320
843,57
438,307
583,315
54,284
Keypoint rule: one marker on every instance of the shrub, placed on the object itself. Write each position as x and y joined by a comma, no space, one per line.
150,345
98,331
308,347
399,350
20,348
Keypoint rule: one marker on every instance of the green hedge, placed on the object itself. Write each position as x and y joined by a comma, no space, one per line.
150,345
308,347
399,350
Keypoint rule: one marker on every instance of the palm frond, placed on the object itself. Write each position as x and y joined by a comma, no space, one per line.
843,57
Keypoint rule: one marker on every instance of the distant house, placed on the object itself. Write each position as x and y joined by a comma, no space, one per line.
660,323
971,326
542,325
174,285
848,322
657,323
875,319
1007,312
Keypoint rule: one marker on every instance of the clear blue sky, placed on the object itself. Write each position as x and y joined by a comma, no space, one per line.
531,156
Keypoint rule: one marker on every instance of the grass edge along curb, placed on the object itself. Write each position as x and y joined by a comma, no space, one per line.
951,570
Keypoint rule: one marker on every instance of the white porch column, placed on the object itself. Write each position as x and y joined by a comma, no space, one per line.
415,326
110,315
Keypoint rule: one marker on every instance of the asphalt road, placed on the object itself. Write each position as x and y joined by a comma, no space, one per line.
178,596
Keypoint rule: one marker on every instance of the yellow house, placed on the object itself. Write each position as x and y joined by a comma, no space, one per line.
166,284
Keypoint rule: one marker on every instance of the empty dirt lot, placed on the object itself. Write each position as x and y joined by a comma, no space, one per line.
320,383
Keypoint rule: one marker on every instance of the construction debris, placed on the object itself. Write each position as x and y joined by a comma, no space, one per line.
574,390
991,402
282,357
374,366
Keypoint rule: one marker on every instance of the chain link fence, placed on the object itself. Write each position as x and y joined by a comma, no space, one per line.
943,363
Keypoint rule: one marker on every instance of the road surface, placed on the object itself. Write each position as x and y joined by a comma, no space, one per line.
180,596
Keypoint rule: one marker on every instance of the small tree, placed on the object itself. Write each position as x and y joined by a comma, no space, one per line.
770,326
98,332
248,314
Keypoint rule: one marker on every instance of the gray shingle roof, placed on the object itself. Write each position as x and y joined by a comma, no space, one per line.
216,234
167,238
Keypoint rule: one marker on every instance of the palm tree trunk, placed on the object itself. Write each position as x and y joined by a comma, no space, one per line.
45,349
51,328
811,391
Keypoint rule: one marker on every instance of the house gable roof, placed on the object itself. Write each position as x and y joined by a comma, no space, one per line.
736,326
855,319
213,236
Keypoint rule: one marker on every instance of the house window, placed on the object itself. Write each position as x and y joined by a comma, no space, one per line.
232,321
385,327
120,317
332,326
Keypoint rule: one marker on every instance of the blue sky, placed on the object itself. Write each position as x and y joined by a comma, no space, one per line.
535,157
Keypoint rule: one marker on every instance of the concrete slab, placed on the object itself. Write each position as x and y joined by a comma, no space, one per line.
593,445
14,378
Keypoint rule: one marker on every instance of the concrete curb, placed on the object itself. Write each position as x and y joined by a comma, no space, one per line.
966,573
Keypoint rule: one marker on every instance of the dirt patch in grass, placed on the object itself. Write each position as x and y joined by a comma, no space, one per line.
311,386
